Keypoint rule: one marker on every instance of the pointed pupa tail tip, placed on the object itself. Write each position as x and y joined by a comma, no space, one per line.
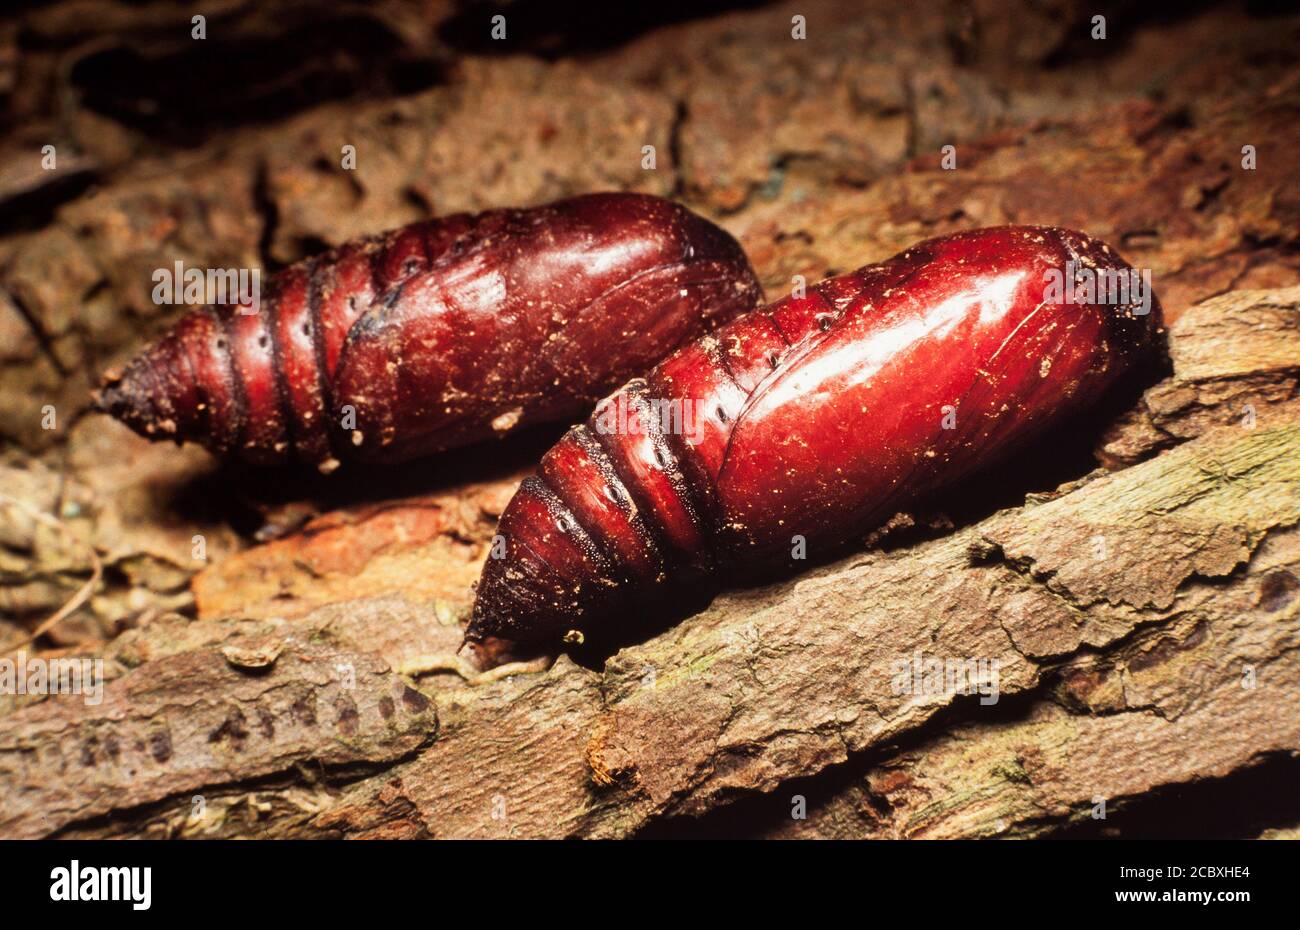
471,638
133,398
108,396
121,394
105,399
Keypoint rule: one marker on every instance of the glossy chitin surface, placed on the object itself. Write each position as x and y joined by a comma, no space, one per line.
440,333
815,417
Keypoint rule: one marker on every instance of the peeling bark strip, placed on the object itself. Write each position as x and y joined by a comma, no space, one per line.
173,728
1221,375
1144,623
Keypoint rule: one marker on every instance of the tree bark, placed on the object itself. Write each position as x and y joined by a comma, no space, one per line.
1142,622
257,629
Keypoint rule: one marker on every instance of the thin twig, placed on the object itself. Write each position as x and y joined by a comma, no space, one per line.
82,594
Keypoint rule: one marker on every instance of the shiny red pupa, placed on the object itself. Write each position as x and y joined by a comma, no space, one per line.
814,418
439,334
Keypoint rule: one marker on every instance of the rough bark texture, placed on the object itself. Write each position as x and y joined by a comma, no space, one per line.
1143,623
1142,618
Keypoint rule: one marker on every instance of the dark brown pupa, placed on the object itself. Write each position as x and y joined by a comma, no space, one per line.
439,334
